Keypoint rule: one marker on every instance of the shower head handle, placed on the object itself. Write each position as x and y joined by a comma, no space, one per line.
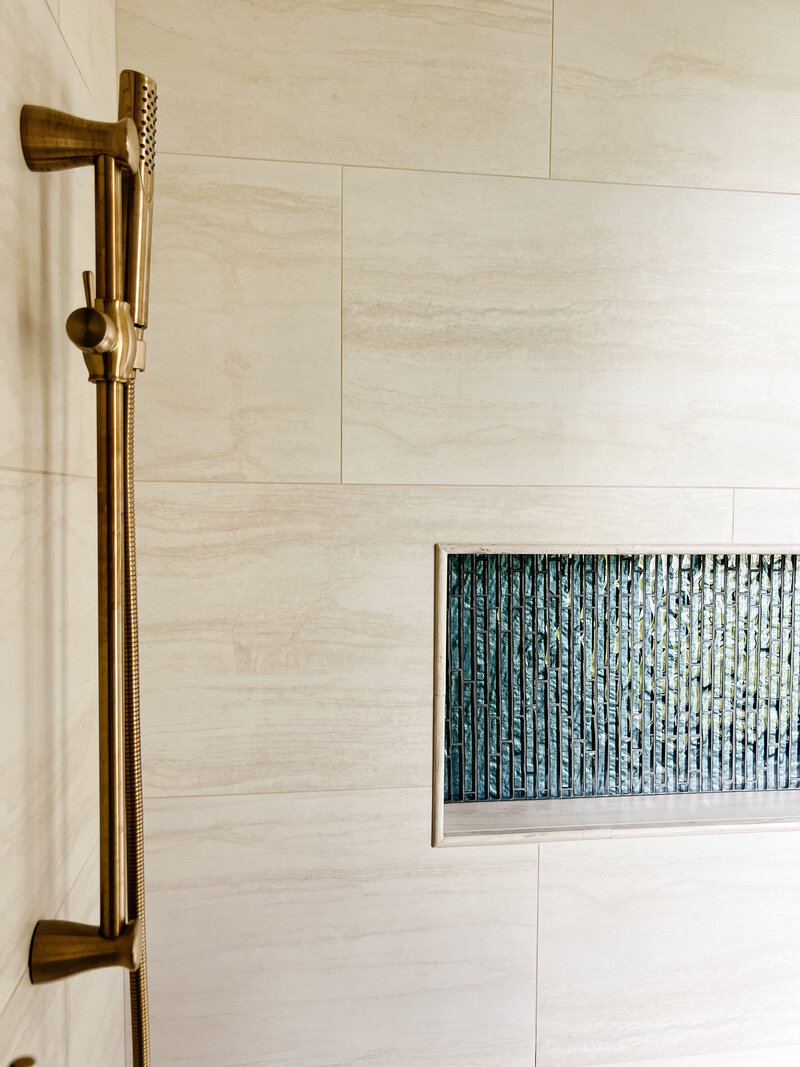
138,100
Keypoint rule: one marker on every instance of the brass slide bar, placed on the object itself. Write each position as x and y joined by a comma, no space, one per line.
111,636
109,331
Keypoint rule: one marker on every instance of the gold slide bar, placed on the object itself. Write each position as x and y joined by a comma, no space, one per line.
109,331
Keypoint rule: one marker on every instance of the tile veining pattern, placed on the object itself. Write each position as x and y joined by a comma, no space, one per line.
58,53
407,290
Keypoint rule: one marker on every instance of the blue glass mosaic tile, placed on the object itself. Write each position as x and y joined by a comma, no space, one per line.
607,675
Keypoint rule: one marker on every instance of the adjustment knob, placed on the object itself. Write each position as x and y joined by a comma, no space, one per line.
91,330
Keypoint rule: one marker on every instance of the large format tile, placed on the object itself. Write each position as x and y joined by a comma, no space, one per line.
244,335
504,331
48,724
322,929
95,1000
678,92
658,949
75,1023
432,85
287,631
34,1023
768,516
780,1056
47,237
90,30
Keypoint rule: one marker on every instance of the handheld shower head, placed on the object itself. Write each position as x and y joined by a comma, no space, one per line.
138,98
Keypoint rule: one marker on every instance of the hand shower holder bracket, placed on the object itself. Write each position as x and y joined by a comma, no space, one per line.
60,949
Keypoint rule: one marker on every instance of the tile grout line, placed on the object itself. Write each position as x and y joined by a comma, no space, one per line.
483,174
282,793
46,473
552,68
341,327
637,487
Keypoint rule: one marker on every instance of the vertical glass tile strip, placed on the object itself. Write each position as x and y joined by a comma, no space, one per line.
592,675
794,681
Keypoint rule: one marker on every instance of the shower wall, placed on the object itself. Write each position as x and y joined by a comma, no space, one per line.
477,272
59,53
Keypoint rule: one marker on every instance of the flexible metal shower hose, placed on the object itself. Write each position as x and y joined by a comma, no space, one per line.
134,813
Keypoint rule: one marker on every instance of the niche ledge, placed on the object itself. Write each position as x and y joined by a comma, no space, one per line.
578,819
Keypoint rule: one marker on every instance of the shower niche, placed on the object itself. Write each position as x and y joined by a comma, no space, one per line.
610,691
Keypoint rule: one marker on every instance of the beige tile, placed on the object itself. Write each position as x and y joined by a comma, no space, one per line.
428,85
90,30
34,1023
95,1001
47,237
76,1023
223,732
503,331
48,723
287,631
128,1048
244,334
785,1056
768,516
655,950
333,934
676,92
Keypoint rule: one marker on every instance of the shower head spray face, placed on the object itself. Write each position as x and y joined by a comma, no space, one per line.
138,98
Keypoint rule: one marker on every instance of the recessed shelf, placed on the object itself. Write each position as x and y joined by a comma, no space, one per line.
608,691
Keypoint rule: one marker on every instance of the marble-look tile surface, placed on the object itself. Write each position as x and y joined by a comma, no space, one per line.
34,1023
244,335
95,1001
676,92
76,1023
658,949
444,85
503,331
48,724
90,30
781,1056
333,934
47,237
287,630
768,516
